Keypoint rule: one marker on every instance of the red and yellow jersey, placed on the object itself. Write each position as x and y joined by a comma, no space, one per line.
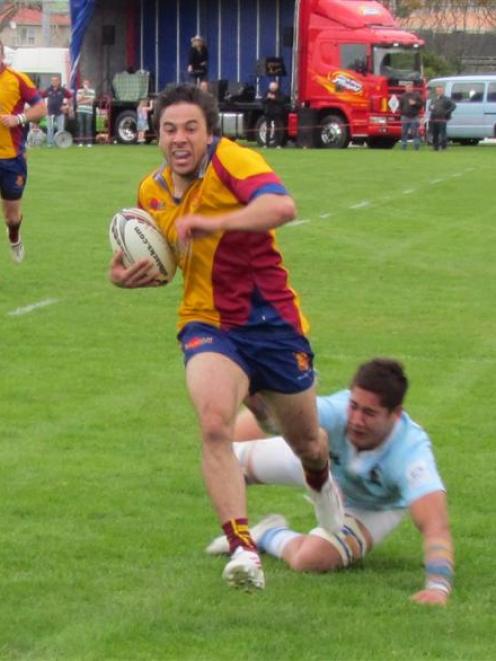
231,279
16,89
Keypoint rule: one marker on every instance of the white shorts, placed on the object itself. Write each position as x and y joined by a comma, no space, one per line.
272,461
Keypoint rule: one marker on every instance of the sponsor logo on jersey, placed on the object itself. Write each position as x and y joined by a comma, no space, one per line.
417,473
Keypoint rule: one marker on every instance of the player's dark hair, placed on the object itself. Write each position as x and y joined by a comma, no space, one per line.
185,93
384,377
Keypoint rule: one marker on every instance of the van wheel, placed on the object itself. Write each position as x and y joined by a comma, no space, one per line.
469,143
126,130
333,132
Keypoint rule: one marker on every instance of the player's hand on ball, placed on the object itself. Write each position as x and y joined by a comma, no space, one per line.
431,597
131,277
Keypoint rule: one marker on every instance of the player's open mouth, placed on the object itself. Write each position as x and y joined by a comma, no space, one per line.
181,156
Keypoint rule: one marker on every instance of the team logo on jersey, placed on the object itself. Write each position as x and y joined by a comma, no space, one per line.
197,342
375,475
156,204
302,361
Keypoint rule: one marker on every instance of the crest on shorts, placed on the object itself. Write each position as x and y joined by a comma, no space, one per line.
302,361
19,181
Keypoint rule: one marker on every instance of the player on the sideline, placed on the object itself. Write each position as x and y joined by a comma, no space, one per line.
384,464
16,90
240,324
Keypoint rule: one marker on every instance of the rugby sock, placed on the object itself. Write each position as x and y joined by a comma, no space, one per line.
13,231
274,541
317,478
238,535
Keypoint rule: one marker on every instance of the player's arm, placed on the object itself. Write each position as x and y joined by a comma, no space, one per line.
31,114
263,213
430,515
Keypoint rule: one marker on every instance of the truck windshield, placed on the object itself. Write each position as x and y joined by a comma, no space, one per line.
397,64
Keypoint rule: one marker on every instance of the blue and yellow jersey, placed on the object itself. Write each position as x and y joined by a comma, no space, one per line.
231,279
16,89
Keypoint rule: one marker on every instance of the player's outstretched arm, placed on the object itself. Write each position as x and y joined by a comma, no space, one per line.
261,214
430,515
132,277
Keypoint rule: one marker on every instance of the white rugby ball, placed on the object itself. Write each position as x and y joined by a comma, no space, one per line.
134,232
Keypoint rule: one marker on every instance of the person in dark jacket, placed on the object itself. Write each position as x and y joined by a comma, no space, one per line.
198,59
440,108
411,105
273,107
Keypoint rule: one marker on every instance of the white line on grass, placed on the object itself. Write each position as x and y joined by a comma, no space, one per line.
34,306
361,205
408,191
294,223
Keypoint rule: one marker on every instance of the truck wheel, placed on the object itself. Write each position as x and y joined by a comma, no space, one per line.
126,130
334,133
269,133
381,143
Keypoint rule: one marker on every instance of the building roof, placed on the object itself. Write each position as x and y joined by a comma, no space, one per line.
25,16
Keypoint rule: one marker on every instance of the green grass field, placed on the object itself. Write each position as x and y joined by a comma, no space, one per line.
103,514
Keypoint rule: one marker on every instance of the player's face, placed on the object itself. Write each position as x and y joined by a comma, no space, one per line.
369,423
184,138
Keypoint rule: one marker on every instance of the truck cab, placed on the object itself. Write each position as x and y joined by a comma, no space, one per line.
352,71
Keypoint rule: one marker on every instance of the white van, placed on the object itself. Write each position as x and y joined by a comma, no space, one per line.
475,115
40,64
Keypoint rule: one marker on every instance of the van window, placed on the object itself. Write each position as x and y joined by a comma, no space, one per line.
491,93
467,92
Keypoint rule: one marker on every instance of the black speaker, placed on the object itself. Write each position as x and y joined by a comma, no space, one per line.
108,35
218,88
270,66
308,120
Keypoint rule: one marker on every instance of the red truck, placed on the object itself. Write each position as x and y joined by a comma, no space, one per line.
342,64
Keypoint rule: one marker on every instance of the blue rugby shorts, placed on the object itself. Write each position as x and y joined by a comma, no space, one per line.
274,358
13,176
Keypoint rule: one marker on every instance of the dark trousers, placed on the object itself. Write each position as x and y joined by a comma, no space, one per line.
439,137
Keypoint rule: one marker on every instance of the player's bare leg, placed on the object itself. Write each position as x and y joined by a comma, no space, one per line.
298,420
217,387
13,219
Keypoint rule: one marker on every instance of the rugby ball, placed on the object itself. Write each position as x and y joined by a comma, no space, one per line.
134,232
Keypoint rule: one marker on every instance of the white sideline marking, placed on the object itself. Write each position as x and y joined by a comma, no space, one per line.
437,181
34,306
293,223
325,215
360,205
408,191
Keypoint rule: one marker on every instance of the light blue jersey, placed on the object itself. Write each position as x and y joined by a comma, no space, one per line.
392,476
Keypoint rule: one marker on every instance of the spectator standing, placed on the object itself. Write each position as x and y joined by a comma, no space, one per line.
274,113
440,108
411,105
85,99
145,106
198,59
56,96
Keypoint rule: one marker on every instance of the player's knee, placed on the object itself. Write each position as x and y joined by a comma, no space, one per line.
308,560
215,428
